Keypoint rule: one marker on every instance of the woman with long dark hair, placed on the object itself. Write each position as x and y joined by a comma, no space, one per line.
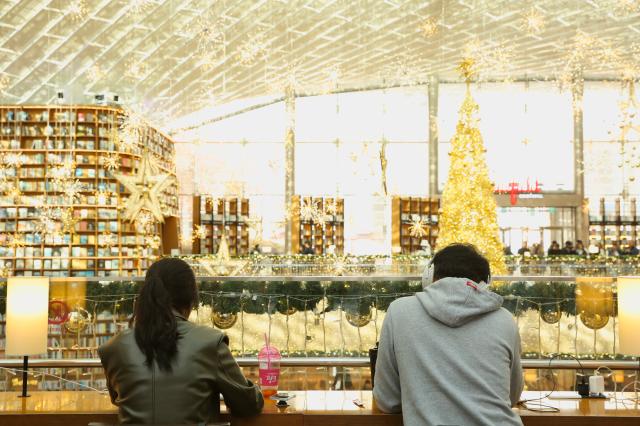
165,369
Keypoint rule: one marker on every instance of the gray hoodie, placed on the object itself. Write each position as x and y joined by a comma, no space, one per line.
450,355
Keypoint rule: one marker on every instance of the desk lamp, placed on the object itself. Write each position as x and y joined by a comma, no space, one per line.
27,319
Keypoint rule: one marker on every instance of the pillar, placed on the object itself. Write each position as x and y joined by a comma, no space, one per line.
289,164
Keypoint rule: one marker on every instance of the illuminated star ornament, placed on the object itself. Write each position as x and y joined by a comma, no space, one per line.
146,189
416,230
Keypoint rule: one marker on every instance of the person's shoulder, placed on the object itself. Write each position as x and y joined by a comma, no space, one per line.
402,304
115,343
207,335
504,319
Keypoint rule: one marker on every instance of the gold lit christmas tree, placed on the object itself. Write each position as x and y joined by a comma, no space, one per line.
468,206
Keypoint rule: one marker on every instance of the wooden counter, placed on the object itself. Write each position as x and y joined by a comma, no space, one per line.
68,408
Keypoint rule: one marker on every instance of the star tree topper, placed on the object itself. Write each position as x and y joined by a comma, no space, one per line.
146,188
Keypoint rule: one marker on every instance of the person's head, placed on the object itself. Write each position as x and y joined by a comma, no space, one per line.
555,245
579,244
568,244
525,244
632,244
460,261
614,244
169,288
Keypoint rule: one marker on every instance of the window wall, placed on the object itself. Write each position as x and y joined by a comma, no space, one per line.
611,168
521,124
527,130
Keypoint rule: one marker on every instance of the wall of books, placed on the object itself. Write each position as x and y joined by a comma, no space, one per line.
414,224
213,217
61,207
613,221
318,225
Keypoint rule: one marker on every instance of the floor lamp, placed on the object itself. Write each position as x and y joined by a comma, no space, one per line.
27,319
629,317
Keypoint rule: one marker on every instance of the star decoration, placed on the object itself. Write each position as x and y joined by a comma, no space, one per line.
146,189
144,222
199,232
533,22
252,49
111,161
68,220
47,222
72,189
331,207
309,210
13,159
417,228
14,193
107,239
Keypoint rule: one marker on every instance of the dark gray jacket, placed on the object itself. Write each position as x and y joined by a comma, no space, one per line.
190,393
450,355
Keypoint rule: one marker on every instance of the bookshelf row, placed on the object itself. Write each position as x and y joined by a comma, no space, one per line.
215,217
62,160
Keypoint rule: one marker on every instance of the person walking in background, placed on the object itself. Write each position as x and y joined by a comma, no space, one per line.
437,362
165,369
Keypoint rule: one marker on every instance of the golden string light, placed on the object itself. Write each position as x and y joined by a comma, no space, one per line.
108,239
252,50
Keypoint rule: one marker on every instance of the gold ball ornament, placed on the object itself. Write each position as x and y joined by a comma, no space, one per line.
223,321
594,321
551,314
77,320
358,320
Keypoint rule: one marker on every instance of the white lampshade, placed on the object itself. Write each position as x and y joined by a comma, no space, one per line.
27,315
629,315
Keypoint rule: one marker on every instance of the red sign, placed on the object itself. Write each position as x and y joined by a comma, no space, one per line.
515,189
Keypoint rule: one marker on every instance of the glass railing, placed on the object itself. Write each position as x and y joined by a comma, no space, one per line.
324,318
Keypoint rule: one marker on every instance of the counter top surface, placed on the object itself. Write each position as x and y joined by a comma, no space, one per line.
309,405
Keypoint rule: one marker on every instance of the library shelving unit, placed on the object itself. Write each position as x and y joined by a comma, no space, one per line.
218,216
407,211
319,221
614,220
36,143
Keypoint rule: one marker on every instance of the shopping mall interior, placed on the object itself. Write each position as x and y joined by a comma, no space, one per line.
307,158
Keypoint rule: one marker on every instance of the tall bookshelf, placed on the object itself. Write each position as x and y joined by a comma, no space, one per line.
405,211
323,229
216,217
36,142
614,220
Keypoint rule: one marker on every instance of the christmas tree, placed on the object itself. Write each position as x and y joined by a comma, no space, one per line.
468,213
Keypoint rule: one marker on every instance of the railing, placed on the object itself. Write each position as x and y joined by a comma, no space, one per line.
559,364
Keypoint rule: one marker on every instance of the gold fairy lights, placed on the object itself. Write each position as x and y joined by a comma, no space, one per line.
199,232
252,50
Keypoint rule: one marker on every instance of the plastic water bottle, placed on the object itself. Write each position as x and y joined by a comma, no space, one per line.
269,369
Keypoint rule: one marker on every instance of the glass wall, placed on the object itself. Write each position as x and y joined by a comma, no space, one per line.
611,167
527,131
520,125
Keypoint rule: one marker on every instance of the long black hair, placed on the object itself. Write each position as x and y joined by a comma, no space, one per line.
169,285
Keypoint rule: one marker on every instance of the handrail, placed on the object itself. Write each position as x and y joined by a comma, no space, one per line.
560,364
334,278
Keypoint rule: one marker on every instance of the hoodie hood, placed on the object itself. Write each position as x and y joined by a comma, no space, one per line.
456,301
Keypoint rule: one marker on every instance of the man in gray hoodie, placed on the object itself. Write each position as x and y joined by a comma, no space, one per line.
450,355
